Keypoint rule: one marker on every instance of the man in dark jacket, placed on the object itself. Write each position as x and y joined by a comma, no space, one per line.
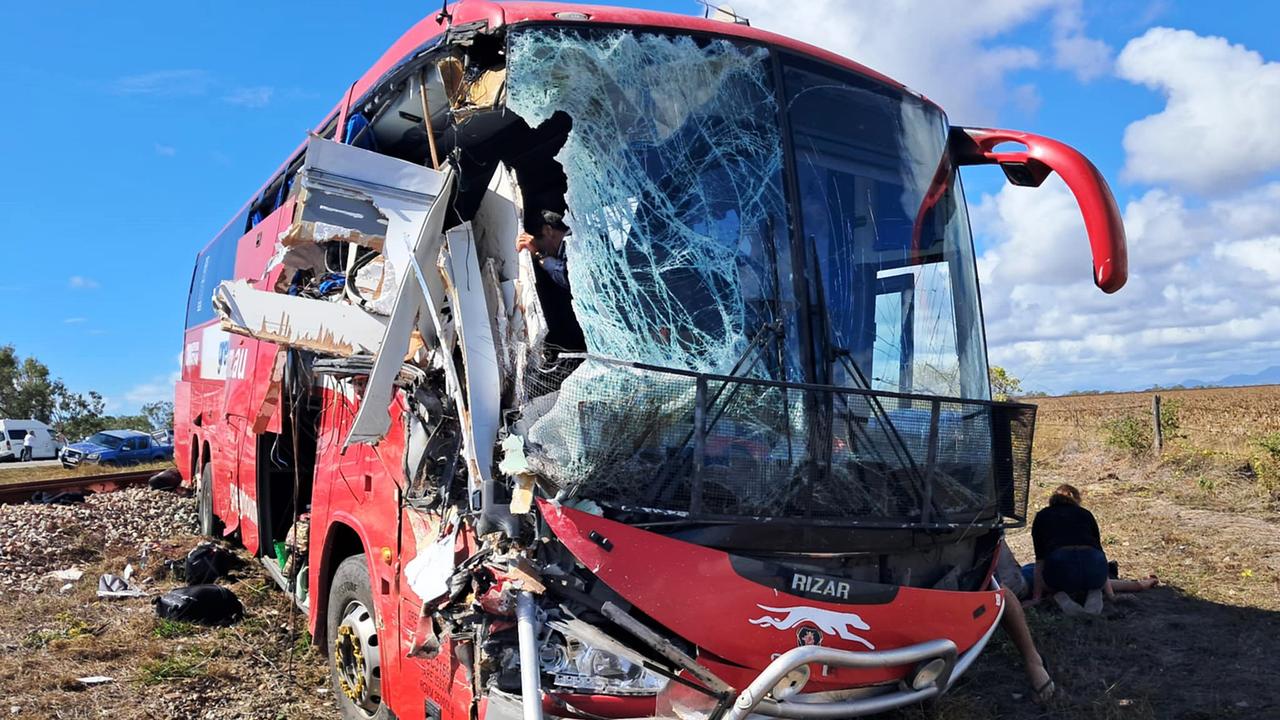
545,240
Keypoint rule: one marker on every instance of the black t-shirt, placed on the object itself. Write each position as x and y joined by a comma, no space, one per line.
1063,525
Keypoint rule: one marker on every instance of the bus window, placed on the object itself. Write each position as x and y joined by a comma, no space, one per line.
215,264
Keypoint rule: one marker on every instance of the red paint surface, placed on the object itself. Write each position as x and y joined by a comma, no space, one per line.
1102,219
696,593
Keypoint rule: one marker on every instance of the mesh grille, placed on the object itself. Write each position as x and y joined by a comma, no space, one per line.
1013,427
627,436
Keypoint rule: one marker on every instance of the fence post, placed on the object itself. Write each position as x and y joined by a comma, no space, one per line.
1158,434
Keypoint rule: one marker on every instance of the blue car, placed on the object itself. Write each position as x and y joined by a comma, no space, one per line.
116,447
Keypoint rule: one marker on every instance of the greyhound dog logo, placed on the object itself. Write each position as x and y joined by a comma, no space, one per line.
828,621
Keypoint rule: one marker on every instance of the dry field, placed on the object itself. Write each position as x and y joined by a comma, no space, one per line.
21,472
1221,421
1201,646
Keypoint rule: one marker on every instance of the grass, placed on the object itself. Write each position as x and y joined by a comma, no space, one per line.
161,668
1203,518
167,629
181,666
21,472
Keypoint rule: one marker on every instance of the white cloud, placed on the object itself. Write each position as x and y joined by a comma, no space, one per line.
1073,50
1217,131
157,388
947,50
1202,302
80,282
163,83
166,150
251,97
75,320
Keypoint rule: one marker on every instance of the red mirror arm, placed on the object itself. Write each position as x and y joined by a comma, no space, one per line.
1030,166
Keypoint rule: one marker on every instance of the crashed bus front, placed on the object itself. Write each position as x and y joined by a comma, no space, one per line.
750,465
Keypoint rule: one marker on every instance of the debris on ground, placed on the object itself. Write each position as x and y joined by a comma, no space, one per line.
36,540
168,479
112,587
200,604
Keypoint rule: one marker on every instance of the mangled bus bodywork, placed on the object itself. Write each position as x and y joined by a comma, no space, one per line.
769,479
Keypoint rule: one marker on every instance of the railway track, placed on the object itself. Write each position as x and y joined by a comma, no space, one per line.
107,482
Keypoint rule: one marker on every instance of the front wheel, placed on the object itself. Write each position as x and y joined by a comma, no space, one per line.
355,661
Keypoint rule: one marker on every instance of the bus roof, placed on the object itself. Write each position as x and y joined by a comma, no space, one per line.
499,14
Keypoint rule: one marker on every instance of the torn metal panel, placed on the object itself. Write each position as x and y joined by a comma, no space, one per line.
466,289
272,397
349,194
353,195
323,327
422,291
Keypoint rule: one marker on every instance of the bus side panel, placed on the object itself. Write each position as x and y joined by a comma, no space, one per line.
358,489
183,452
440,679
245,382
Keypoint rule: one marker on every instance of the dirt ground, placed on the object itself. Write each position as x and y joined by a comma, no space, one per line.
261,667
1200,646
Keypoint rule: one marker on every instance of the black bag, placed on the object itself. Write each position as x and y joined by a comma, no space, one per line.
165,480
206,563
202,604
61,497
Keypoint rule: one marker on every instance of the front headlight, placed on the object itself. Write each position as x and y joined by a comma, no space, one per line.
578,666
94,456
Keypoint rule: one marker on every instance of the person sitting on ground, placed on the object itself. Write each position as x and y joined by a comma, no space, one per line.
1069,556
1014,621
544,239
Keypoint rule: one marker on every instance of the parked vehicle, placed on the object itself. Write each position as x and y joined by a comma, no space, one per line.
116,447
770,480
14,432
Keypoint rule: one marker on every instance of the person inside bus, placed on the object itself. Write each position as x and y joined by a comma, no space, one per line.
1069,556
544,238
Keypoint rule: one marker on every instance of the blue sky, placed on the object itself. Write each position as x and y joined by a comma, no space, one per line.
137,129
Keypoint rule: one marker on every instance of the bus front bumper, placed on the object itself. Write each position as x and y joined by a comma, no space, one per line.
936,667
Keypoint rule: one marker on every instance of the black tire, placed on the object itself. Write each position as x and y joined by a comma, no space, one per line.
349,594
210,525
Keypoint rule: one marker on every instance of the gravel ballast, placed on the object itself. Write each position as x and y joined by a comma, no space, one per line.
36,540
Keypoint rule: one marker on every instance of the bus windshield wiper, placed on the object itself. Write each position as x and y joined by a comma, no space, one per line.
899,446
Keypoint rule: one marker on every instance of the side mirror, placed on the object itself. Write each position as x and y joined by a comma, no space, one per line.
1031,165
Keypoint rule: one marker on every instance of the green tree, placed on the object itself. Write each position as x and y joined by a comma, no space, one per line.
79,416
159,414
26,389
1003,385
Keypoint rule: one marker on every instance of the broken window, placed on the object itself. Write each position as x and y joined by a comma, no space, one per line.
674,169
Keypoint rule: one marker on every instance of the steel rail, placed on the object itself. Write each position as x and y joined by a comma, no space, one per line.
21,492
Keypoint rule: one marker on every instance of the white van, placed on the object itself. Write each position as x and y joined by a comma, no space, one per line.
12,432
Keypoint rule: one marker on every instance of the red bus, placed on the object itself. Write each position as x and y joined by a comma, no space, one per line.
602,363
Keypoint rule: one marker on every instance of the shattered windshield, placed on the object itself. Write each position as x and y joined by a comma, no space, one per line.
703,308
890,257
678,255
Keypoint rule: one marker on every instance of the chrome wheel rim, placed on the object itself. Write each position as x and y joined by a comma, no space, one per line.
357,659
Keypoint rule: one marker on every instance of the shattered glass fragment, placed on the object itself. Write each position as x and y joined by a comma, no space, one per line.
674,188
